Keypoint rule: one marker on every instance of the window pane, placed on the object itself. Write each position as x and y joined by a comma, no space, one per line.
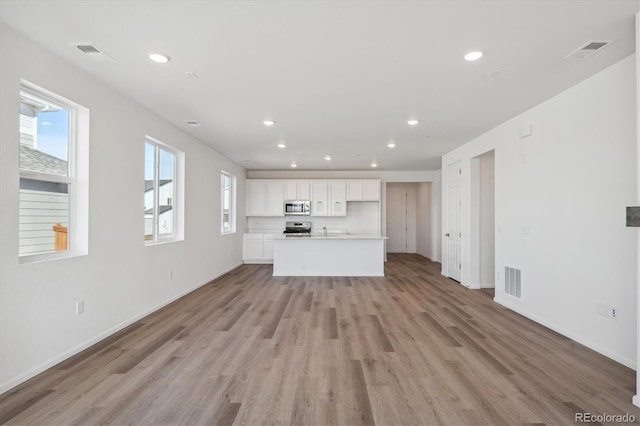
166,193
227,203
44,217
149,190
44,136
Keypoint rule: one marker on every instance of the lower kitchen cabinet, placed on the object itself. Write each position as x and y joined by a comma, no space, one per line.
258,247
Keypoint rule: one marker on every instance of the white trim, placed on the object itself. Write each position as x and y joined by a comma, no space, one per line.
176,192
636,400
78,198
11,383
622,360
232,203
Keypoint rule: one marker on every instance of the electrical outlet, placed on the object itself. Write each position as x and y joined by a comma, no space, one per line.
613,313
80,307
498,275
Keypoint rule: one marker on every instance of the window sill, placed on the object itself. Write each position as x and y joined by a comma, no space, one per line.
163,242
46,257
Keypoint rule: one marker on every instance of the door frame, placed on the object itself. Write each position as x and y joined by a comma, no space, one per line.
457,273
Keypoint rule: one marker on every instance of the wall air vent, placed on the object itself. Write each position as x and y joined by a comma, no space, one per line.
512,282
588,49
93,52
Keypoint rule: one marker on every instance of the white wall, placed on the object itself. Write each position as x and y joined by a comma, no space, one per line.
423,219
120,279
560,196
385,176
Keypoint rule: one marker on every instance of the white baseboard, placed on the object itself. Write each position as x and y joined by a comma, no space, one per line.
11,383
603,351
636,400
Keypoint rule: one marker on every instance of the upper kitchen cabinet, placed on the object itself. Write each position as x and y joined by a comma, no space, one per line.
265,197
363,190
256,197
319,198
275,198
297,190
337,198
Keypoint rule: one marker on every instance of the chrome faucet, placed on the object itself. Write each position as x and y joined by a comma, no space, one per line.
325,230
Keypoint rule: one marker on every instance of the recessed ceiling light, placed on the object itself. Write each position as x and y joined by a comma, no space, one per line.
269,122
374,164
159,58
294,165
391,144
473,56
412,122
281,145
327,157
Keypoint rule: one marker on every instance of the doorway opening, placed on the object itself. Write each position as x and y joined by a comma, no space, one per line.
409,218
483,211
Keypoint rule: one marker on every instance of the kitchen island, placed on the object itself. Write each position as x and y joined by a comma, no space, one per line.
341,255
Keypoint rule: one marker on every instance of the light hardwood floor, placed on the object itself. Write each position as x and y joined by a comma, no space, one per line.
247,349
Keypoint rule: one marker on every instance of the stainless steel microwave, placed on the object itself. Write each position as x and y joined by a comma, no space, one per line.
297,208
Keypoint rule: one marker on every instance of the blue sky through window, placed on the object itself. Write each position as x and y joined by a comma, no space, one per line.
53,133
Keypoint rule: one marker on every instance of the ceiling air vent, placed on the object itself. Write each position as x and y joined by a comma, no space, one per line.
588,49
93,52
193,123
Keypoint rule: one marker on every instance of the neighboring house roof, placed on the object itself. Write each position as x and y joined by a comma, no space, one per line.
41,162
162,210
148,184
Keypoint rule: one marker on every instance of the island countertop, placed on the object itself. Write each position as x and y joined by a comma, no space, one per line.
315,237
337,255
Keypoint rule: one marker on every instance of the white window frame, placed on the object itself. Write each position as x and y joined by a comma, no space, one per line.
232,203
77,179
176,191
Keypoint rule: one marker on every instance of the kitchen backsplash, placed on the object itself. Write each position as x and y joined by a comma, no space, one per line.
362,218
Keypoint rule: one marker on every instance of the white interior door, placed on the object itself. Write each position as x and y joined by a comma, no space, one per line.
453,233
396,219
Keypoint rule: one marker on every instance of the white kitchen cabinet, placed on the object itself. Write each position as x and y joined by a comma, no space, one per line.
371,190
304,190
355,190
297,190
256,197
337,198
258,247
253,247
319,198
363,190
275,198
268,246
265,197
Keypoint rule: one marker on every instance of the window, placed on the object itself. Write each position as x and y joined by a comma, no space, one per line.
53,205
160,190
228,203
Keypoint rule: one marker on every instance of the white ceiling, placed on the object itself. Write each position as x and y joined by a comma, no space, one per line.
338,77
